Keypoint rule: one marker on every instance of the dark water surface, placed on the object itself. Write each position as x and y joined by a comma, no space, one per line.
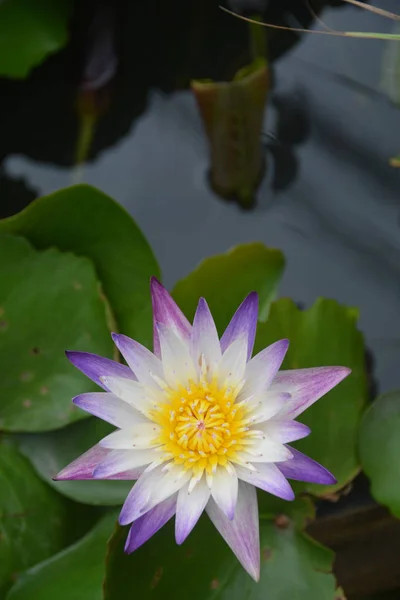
331,202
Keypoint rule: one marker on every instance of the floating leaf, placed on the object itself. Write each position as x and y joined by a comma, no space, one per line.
325,334
30,30
225,279
292,566
52,451
76,572
33,518
380,449
49,301
301,510
85,221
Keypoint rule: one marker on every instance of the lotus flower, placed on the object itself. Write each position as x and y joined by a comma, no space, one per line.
200,424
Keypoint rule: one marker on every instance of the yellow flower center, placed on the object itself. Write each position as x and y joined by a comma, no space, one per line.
203,426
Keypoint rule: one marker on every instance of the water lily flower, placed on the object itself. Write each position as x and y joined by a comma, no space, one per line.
200,424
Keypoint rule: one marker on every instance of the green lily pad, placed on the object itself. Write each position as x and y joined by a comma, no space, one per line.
85,221
30,30
380,449
52,451
325,334
49,301
75,573
32,517
292,566
301,510
225,279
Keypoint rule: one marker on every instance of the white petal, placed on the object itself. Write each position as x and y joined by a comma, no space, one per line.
177,362
232,365
119,461
261,370
267,477
139,437
152,488
224,490
132,392
285,431
267,405
204,338
142,362
306,386
267,450
242,533
110,408
189,508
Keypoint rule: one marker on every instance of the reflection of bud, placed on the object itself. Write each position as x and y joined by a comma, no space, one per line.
232,114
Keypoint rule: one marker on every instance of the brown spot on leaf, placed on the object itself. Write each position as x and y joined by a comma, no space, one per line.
35,351
334,497
189,553
214,584
1,311
266,553
156,578
77,285
26,376
27,403
44,390
3,325
282,521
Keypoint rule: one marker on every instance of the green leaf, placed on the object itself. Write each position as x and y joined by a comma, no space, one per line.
52,451
30,30
32,516
49,301
204,568
225,279
301,510
380,449
325,334
74,574
85,221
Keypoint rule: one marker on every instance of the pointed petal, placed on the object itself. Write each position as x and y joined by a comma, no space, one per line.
84,466
167,312
138,437
261,369
109,408
306,386
224,490
142,362
267,477
242,533
152,487
132,392
303,468
119,461
189,508
145,527
269,405
244,322
177,363
285,431
267,450
204,339
94,367
232,365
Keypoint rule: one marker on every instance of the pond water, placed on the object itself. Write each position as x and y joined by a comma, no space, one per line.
331,200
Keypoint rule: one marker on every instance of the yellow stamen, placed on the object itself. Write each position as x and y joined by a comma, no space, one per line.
203,427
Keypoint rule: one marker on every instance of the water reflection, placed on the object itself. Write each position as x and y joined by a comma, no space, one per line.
330,199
